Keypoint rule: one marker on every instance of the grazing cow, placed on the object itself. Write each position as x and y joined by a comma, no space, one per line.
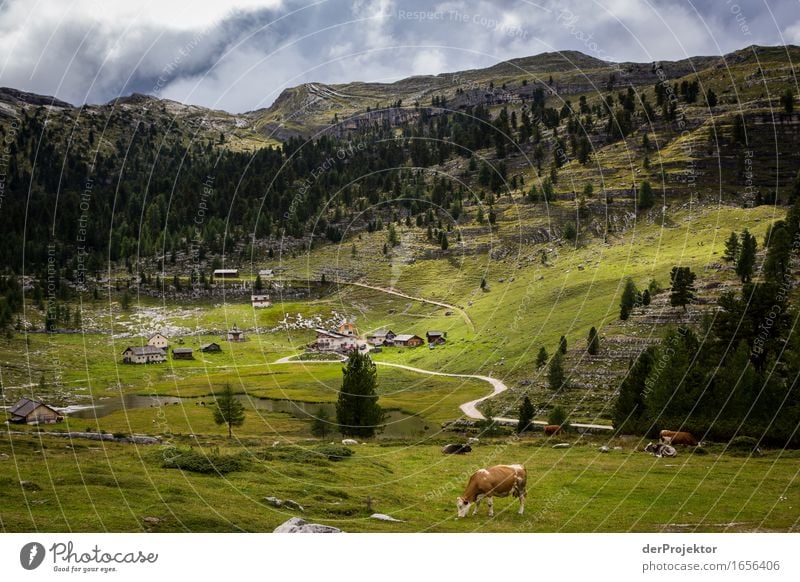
660,450
551,429
497,481
671,437
452,449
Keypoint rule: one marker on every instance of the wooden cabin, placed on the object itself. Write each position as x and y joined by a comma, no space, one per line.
183,354
408,340
29,411
436,337
212,348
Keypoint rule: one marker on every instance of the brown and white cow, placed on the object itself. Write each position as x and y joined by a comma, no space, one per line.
671,437
551,429
497,481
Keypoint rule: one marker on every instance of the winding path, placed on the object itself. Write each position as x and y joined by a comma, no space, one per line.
391,291
469,409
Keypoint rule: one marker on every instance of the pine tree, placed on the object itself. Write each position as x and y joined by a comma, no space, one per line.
629,408
228,410
628,300
562,344
682,292
556,376
646,197
731,248
593,342
526,412
747,257
258,285
541,358
321,426
779,250
357,411
444,243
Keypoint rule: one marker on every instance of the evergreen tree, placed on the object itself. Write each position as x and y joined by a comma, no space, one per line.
357,411
558,417
228,410
646,297
628,300
258,285
747,257
731,248
683,289
646,197
541,358
562,344
629,408
321,426
526,413
787,100
444,243
556,376
593,342
779,250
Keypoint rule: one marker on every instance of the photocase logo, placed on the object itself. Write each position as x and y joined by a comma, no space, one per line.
31,555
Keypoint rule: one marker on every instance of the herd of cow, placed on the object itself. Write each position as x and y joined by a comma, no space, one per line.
505,480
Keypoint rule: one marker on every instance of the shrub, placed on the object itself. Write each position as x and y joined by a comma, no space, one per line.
334,452
742,444
208,464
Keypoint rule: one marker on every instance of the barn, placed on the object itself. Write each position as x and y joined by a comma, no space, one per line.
408,340
211,348
144,355
183,354
33,412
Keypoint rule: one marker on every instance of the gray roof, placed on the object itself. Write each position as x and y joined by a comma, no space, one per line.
381,333
145,351
182,351
25,406
204,346
435,333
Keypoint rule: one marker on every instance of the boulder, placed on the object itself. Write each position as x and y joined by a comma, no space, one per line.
562,446
298,525
604,449
349,442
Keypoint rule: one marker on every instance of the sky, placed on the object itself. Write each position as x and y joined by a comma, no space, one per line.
238,55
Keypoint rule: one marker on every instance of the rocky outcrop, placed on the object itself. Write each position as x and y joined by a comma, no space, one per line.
297,525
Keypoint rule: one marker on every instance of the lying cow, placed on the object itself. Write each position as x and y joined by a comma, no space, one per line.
660,450
671,437
497,481
552,429
452,449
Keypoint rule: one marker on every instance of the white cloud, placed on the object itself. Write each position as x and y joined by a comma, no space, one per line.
240,54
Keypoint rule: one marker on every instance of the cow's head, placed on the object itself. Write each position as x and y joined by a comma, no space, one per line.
463,506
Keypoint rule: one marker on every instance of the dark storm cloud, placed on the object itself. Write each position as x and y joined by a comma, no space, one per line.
242,60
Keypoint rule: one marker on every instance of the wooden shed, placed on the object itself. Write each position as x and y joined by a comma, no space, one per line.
182,354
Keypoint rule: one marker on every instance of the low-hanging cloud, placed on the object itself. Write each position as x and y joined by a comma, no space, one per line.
239,55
